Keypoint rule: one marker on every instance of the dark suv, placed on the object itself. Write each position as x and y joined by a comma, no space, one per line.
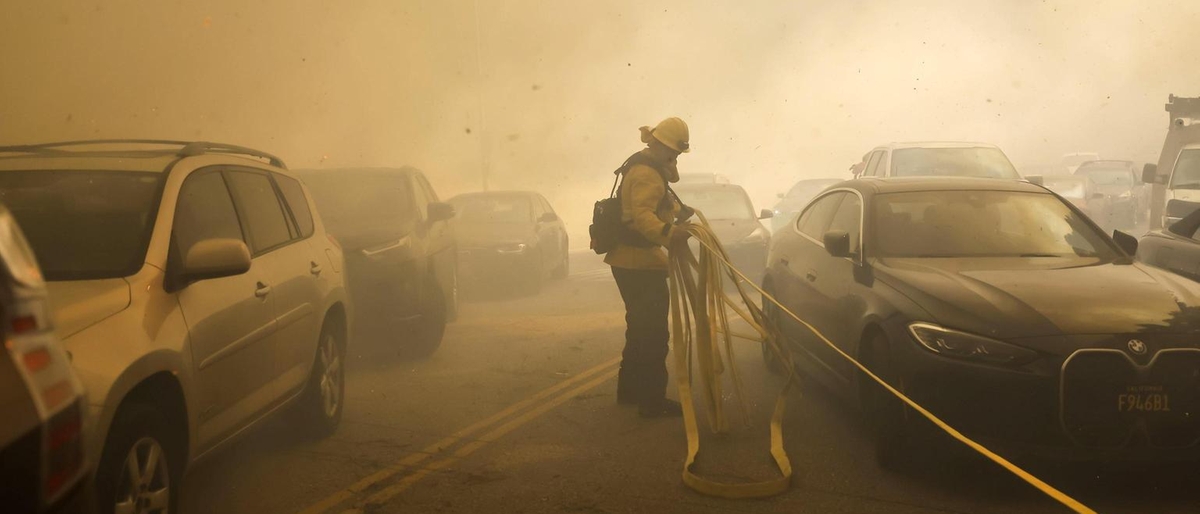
399,249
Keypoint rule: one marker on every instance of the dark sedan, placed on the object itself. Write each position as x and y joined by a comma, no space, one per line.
1118,181
1000,308
510,235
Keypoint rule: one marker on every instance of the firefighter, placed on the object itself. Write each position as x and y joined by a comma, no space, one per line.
649,213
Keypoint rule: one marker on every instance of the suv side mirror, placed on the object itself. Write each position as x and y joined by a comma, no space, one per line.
215,258
1150,173
548,217
440,211
1126,242
837,243
1036,180
766,214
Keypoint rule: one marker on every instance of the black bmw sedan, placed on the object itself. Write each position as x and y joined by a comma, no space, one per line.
997,306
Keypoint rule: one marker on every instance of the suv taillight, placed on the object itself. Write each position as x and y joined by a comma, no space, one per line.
62,450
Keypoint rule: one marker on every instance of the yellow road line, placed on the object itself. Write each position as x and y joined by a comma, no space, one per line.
363,484
383,495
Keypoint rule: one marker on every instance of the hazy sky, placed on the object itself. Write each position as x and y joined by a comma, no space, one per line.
548,95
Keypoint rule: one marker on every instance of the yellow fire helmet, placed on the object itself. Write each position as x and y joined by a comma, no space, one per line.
672,132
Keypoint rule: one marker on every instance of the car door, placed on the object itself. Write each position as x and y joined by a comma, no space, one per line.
231,320
800,264
443,253
841,287
300,276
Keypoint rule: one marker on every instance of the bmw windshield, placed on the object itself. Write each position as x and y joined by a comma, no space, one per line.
84,224
984,224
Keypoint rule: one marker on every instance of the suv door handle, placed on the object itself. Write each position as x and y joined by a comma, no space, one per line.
811,275
315,269
262,291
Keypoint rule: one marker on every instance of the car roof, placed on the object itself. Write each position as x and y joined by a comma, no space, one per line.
878,185
479,194
934,144
328,172
148,155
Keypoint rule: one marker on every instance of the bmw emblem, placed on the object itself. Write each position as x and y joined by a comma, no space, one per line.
1137,346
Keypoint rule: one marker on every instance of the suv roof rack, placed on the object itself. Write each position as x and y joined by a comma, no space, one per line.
186,148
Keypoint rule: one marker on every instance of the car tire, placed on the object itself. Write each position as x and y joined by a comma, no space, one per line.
884,412
452,296
564,267
142,433
772,361
324,395
431,325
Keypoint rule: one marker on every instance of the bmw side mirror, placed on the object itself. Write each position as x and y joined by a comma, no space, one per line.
1036,180
1150,173
440,211
1125,242
837,243
766,214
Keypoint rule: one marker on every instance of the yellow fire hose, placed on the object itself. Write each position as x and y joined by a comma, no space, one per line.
697,294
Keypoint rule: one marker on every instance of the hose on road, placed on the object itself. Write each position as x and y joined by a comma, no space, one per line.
700,328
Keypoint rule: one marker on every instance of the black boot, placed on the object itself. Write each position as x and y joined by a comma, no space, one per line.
626,392
662,408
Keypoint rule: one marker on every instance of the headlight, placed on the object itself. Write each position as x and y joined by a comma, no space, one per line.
511,248
759,236
962,345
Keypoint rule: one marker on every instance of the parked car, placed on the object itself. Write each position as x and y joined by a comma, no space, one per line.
998,307
43,463
510,235
702,178
728,210
400,250
194,288
796,198
1175,178
1126,196
1083,193
937,159
1175,248
1071,161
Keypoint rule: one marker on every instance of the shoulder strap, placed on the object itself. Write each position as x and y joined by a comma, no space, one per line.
635,159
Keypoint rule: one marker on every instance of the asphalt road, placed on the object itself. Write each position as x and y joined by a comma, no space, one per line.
516,413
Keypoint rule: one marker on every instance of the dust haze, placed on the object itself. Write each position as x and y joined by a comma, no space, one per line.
548,95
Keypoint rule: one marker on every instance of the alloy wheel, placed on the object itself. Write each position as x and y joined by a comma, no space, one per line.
145,484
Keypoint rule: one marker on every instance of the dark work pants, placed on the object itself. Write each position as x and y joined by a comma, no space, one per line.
643,375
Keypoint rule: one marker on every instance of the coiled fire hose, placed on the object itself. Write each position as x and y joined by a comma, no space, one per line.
699,330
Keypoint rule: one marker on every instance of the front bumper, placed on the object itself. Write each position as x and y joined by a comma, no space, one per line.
486,265
1059,407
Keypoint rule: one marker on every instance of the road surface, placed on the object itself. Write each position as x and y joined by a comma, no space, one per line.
516,413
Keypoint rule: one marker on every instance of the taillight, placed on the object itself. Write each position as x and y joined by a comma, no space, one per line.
24,324
37,360
63,450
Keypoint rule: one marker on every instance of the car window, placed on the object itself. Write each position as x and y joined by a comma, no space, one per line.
718,203
422,198
1187,170
493,208
848,219
815,220
262,215
981,162
873,164
204,211
982,224
297,202
374,205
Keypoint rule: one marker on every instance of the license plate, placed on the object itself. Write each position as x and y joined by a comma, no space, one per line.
1144,399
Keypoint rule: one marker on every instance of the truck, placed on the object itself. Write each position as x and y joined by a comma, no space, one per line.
1175,178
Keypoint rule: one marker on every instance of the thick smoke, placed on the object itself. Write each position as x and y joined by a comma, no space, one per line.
548,95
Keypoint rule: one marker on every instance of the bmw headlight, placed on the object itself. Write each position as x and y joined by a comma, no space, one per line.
513,248
961,345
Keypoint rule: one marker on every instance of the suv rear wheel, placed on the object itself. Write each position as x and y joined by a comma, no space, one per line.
323,398
142,463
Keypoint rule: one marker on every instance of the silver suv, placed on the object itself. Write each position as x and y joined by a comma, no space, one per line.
197,291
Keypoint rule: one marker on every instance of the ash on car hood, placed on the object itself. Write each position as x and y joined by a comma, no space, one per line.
732,231
1013,298
482,234
80,304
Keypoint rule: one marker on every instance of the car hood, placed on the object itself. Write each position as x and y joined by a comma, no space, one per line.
733,231
1114,190
79,304
485,234
1017,298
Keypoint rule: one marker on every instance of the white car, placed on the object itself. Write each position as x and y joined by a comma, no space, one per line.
936,159
196,290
